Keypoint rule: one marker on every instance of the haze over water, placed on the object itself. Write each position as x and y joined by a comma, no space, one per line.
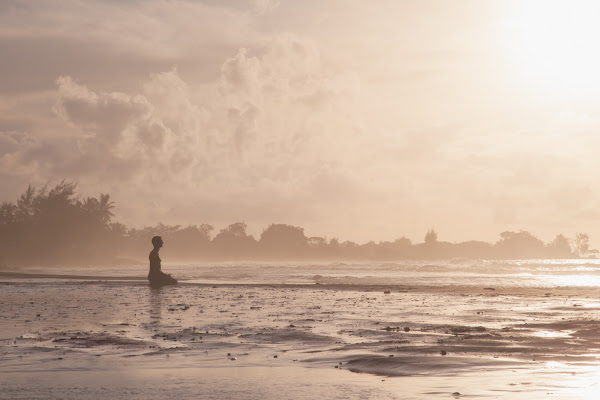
477,273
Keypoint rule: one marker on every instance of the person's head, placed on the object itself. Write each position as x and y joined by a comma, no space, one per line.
157,241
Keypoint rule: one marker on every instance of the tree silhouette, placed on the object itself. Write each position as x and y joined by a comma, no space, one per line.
234,242
520,244
431,237
281,239
25,208
559,248
57,225
51,225
117,229
582,244
99,209
8,213
105,205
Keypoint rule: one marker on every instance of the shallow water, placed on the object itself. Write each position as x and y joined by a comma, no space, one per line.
504,273
382,331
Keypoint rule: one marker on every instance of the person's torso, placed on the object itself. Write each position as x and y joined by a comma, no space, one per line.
154,261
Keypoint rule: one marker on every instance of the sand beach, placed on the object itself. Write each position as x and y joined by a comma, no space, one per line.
67,336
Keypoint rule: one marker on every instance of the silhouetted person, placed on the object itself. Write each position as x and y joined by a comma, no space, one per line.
156,276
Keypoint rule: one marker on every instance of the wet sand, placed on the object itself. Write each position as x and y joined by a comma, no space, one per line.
81,338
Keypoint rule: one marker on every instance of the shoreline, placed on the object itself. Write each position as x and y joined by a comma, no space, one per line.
570,291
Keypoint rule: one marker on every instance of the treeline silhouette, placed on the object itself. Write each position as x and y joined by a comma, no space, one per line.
58,226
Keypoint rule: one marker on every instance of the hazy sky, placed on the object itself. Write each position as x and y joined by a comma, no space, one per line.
353,119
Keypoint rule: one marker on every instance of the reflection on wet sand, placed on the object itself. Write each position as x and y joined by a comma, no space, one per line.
155,298
503,338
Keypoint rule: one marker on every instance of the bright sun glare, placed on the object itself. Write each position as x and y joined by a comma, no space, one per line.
556,43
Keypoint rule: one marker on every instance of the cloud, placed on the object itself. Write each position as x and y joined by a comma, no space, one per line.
105,115
278,134
266,6
113,44
272,126
11,141
141,27
309,113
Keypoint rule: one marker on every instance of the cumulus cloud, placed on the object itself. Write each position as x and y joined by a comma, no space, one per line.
274,125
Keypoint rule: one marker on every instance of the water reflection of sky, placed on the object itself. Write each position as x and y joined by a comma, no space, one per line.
573,280
484,273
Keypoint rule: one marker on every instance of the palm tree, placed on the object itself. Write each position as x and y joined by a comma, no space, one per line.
89,205
100,208
105,205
